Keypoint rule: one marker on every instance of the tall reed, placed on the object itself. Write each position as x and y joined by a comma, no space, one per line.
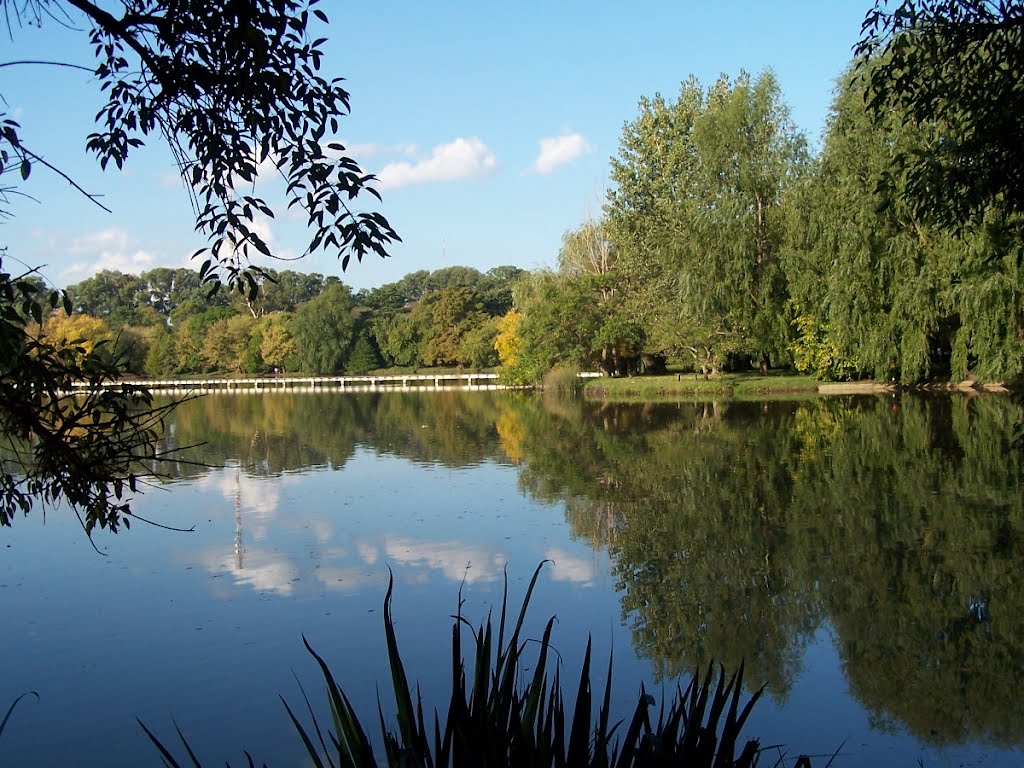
499,716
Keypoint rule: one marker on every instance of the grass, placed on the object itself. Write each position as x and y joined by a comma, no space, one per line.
676,385
508,709
10,710
562,380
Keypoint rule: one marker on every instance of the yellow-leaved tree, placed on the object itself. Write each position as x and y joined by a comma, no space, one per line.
79,331
509,342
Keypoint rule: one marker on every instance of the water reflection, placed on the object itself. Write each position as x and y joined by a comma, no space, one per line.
735,532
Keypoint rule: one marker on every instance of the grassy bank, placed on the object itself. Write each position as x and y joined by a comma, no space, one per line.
730,385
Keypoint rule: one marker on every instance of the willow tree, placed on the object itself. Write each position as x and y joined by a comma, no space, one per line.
695,218
958,65
900,297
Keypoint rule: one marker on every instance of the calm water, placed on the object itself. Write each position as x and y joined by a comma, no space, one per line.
862,555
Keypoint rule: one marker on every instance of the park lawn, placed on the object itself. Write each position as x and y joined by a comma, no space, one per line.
673,385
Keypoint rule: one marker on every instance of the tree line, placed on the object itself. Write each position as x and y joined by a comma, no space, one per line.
166,322
725,242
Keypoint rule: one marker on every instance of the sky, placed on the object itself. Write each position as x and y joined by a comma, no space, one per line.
490,126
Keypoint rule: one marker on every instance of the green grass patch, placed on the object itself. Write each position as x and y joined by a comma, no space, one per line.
747,385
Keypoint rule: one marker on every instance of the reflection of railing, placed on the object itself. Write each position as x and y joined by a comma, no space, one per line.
404,382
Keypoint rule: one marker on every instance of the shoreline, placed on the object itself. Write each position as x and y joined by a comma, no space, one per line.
737,388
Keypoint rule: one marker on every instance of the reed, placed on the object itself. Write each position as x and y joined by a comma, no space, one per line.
499,715
562,380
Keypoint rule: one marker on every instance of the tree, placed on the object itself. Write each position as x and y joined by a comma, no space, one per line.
956,67
277,347
323,330
695,217
80,333
895,294
160,355
364,357
113,296
398,338
90,450
450,314
226,343
556,322
228,86
190,338
586,251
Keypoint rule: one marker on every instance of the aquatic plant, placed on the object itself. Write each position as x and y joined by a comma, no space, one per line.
495,720
10,709
562,380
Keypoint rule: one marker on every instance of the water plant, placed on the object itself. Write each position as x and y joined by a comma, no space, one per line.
10,709
495,719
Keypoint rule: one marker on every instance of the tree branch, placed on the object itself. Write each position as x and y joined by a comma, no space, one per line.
47,63
63,175
109,24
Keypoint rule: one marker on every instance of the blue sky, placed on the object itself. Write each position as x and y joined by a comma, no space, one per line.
490,125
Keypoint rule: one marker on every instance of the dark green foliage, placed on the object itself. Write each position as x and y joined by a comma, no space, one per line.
956,68
90,450
160,355
364,357
500,714
901,297
323,329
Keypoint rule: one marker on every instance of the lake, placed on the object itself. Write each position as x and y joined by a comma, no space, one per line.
861,555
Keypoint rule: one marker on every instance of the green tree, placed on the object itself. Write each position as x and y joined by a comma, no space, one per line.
900,296
323,329
113,296
168,289
364,357
160,359
476,349
398,338
227,343
227,86
695,218
449,315
277,347
558,322
190,338
955,68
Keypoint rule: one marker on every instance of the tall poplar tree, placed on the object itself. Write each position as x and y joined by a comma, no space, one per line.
695,218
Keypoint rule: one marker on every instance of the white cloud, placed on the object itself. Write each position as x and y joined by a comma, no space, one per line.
460,159
569,567
456,560
372,149
258,497
111,248
257,568
560,150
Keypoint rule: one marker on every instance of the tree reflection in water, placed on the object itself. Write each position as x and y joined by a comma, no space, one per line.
737,530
